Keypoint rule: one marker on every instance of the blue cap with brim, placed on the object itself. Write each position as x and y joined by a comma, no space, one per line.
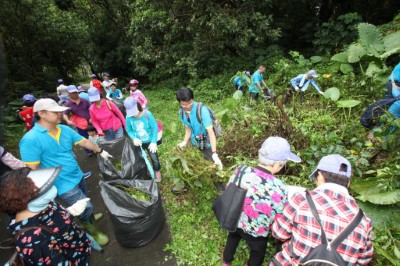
335,164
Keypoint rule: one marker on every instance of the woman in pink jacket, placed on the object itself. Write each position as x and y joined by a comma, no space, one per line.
106,117
137,94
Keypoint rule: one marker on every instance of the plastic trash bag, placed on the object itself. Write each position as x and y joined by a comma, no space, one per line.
135,222
127,161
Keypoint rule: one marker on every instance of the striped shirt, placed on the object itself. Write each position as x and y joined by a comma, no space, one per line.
336,208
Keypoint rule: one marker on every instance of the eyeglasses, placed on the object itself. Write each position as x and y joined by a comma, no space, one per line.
187,105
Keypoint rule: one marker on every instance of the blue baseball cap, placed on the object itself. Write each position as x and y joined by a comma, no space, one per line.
29,98
72,88
94,94
277,149
312,73
60,81
335,164
93,76
130,104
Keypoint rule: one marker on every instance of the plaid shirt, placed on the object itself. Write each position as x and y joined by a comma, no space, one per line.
336,209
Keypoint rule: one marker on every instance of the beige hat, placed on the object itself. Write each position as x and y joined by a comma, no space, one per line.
48,105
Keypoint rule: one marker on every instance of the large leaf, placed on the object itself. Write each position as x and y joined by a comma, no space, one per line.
392,41
382,216
370,37
238,95
356,52
384,198
315,59
346,68
347,103
332,94
373,70
340,57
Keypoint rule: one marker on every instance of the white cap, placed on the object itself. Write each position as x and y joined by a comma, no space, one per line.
48,104
44,178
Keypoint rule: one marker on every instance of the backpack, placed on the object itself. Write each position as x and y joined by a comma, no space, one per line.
326,253
97,84
370,116
216,125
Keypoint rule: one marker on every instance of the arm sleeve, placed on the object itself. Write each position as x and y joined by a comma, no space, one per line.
67,112
120,96
108,95
366,253
282,227
315,85
12,162
206,117
76,138
118,113
130,128
154,128
31,151
143,98
95,122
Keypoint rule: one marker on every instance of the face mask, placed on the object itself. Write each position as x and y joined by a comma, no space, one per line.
39,204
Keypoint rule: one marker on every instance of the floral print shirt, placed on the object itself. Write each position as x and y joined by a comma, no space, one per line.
265,198
66,245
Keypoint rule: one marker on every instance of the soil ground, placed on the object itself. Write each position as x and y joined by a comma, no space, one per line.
114,254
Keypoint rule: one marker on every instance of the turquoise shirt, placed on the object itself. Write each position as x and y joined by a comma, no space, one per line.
84,95
144,128
38,146
194,125
257,77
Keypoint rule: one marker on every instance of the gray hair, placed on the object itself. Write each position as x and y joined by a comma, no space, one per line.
262,159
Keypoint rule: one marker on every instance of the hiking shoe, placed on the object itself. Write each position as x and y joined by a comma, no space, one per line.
179,191
87,174
158,176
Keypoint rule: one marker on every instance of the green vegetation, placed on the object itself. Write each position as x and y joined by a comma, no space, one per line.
135,193
168,44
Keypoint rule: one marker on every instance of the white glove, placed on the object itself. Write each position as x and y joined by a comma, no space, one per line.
137,142
105,155
182,144
296,88
153,147
217,161
78,207
321,92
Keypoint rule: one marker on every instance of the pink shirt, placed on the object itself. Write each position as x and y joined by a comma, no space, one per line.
103,118
139,96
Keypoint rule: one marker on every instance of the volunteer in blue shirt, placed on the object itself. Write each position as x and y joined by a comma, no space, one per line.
257,83
201,135
240,81
302,81
114,93
49,144
393,84
142,128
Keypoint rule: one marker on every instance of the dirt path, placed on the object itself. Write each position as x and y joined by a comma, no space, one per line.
114,254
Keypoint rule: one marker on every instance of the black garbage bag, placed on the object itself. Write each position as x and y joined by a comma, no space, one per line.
135,222
127,161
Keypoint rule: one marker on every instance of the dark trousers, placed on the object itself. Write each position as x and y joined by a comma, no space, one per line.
153,156
207,153
258,247
84,134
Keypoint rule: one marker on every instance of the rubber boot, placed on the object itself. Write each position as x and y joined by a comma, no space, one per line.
88,225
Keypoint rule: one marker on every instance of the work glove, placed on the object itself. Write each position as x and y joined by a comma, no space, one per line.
217,161
105,155
321,92
153,147
296,88
137,142
78,207
182,144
